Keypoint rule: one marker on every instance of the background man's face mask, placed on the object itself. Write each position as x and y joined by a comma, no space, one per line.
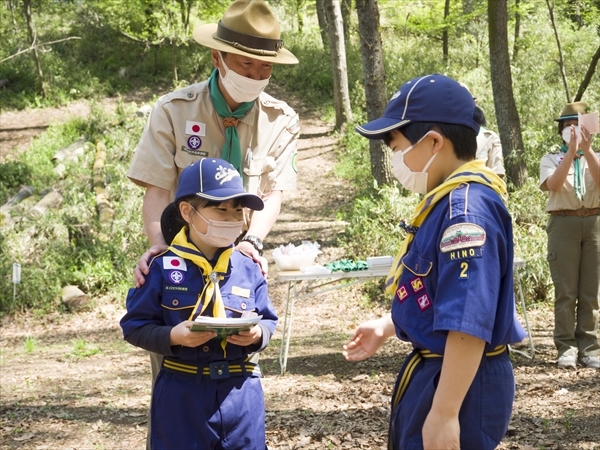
241,89
566,134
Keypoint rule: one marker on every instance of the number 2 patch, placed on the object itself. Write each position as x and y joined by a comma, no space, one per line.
464,271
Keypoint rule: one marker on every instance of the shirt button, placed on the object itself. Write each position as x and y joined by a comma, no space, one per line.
205,349
190,95
243,305
175,302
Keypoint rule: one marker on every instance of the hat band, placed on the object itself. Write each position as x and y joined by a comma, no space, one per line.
251,44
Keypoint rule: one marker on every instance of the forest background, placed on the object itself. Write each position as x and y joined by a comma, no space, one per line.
54,52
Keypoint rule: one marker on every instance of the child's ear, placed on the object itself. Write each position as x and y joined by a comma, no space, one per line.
438,140
186,211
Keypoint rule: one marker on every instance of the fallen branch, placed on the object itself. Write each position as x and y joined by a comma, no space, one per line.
36,46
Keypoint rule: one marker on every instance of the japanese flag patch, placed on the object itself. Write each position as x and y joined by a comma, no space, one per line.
195,128
174,262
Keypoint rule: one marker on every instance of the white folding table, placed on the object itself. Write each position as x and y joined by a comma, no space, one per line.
325,282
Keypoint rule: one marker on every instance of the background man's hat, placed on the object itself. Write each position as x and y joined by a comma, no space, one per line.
430,98
248,28
216,180
571,111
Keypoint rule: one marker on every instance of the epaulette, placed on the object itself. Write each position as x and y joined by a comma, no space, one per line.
188,93
459,200
271,102
156,256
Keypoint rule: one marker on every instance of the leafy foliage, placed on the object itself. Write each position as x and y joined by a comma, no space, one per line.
147,45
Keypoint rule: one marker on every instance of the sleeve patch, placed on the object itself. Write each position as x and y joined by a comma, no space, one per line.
462,236
294,126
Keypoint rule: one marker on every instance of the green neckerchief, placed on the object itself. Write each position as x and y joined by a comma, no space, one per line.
471,172
578,183
232,151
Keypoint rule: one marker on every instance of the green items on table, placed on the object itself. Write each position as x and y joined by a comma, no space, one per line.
346,265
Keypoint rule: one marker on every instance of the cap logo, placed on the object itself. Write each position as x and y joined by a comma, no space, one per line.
225,174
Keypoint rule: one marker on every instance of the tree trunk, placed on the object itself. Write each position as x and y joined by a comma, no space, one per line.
346,6
300,7
517,29
445,32
32,40
561,60
322,17
507,115
341,93
588,76
372,58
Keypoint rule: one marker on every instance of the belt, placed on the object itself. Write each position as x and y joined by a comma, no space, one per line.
581,212
415,358
216,370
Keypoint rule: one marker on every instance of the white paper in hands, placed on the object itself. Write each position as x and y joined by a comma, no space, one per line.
590,122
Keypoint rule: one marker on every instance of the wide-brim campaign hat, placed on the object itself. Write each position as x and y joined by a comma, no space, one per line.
216,180
430,98
248,28
572,110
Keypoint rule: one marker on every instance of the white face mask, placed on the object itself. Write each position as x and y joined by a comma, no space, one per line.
220,233
413,181
241,89
566,134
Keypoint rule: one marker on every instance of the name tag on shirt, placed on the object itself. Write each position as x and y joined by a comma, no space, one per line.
241,292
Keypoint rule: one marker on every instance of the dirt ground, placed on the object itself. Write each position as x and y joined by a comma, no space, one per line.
71,382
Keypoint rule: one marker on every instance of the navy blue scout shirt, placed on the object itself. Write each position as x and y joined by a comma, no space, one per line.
171,291
458,274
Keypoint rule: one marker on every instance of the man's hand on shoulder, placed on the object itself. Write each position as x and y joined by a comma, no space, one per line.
142,269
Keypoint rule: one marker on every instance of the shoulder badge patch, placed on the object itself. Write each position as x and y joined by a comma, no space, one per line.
294,126
462,235
174,262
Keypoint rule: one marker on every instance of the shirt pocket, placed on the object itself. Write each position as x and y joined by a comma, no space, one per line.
177,306
238,304
417,265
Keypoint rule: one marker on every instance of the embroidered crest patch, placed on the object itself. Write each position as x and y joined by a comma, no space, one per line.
174,262
194,142
424,302
176,277
402,293
462,235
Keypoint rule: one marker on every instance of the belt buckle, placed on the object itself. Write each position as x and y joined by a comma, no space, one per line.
219,370
583,212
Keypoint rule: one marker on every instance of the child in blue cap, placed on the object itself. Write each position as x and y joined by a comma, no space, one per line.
452,281
207,395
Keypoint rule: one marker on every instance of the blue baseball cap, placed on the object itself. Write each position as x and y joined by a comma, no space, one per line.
216,180
430,98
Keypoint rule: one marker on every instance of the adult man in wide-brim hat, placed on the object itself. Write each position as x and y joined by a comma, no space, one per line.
227,116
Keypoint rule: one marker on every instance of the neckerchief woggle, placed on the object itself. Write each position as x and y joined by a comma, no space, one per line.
212,275
578,183
471,172
231,151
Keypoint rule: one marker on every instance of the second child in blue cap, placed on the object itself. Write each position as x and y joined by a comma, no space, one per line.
207,395
452,281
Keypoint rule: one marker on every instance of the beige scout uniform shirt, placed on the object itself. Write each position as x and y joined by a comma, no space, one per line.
184,127
566,198
489,149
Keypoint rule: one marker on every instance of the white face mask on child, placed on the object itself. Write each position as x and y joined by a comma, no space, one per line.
220,233
566,134
413,181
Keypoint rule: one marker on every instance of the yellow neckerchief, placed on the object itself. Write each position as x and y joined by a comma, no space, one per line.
471,172
212,275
